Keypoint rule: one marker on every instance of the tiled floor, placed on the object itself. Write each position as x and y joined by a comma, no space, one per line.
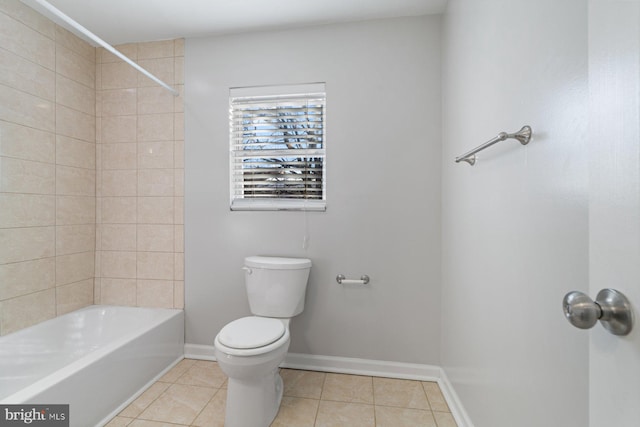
193,393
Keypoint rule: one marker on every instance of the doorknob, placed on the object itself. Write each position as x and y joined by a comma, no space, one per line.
611,307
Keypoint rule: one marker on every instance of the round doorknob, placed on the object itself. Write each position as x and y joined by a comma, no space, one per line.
611,307
580,310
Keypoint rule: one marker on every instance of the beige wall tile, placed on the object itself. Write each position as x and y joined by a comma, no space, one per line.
155,127
71,239
26,210
162,68
75,95
22,244
72,210
118,237
179,71
25,176
178,157
179,238
32,19
154,293
155,238
178,294
178,266
18,38
118,75
179,126
155,182
154,100
158,49
26,143
119,102
24,109
178,182
75,152
179,47
69,40
155,210
75,124
75,66
155,155
130,50
121,182
74,296
119,129
119,156
26,277
119,210
27,76
27,310
118,291
155,265
179,210
74,268
72,181
118,264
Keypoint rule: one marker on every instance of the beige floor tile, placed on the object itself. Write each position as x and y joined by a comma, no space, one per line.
399,393
119,422
177,371
203,373
387,416
348,388
296,412
144,400
213,414
341,414
302,383
147,423
445,419
179,404
435,397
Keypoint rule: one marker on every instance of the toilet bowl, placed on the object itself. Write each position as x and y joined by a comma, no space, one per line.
250,350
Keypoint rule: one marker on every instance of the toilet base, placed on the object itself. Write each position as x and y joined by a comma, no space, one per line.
253,403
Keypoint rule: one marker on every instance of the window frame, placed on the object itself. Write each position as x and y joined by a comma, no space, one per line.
273,95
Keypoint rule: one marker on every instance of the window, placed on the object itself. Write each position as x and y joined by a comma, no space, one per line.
277,147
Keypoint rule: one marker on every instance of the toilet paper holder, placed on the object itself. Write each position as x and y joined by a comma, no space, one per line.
341,279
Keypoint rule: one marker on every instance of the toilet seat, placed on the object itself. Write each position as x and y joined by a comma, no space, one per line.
253,335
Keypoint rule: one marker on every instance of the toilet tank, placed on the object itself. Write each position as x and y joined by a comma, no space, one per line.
276,286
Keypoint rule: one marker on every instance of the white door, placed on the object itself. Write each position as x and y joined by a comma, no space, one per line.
614,206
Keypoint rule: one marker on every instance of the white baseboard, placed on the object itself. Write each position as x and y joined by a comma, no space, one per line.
374,368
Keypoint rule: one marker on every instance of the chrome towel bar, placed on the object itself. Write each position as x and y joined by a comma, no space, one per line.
523,135
364,280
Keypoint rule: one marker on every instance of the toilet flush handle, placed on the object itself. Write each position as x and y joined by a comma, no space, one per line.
248,270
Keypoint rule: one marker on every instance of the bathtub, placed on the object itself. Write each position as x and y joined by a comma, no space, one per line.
95,359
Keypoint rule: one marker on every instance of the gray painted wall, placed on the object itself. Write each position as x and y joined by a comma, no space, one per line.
383,186
515,225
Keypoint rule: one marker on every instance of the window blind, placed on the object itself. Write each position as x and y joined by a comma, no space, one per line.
277,147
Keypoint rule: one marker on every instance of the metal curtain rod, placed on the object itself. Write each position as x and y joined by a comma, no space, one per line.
104,44
523,135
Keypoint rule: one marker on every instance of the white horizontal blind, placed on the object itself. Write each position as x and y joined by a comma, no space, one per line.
278,150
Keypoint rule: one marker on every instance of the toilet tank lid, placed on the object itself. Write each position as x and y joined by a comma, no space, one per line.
277,263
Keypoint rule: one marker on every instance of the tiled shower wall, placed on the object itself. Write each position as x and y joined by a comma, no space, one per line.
47,169
82,222
140,174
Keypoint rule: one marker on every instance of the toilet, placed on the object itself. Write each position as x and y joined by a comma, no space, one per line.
249,350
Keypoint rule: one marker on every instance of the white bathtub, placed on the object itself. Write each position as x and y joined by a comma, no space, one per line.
94,359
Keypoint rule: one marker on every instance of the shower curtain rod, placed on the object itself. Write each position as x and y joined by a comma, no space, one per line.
102,43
